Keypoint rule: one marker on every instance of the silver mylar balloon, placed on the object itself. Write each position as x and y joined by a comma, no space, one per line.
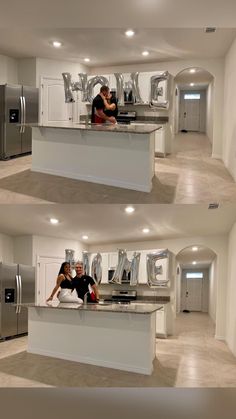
70,257
86,265
122,257
119,88
135,88
134,270
96,268
154,269
84,86
157,91
68,87
92,83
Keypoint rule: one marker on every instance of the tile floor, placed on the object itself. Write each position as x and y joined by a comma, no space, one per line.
190,358
188,176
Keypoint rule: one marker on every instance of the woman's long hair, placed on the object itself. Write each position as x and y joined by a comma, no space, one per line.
62,268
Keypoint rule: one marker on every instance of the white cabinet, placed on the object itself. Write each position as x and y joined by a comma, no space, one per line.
160,146
142,277
105,267
113,259
161,323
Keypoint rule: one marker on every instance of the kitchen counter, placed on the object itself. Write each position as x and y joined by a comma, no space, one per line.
115,155
114,336
135,308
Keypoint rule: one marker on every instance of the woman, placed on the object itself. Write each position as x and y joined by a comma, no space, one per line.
110,104
64,281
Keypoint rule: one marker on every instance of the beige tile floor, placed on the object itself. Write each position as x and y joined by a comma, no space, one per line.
188,176
190,358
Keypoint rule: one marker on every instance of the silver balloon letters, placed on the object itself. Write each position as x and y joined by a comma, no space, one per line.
96,268
135,88
93,82
86,265
157,91
128,266
119,88
70,257
155,269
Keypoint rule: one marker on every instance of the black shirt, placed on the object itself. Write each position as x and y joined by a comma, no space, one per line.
66,283
115,112
82,285
97,104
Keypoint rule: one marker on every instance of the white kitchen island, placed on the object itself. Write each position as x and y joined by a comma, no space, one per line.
116,155
114,336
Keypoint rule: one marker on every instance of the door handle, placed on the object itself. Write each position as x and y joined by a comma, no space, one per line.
17,294
21,114
24,113
20,296
186,294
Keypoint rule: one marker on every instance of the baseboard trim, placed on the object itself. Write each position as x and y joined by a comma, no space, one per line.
216,156
220,337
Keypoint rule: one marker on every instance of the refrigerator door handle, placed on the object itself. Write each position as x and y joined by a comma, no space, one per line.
24,113
21,114
17,294
20,297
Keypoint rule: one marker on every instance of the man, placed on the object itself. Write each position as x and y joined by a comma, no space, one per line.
82,283
100,104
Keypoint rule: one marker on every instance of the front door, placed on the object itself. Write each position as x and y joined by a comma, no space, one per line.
191,293
190,103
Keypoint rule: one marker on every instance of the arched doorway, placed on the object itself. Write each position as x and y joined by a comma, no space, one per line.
193,121
196,280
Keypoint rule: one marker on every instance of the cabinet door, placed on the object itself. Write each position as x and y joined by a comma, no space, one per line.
160,141
105,267
161,323
142,278
113,259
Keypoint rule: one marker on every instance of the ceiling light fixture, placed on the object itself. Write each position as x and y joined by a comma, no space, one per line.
146,230
192,70
57,44
129,210
194,248
145,53
85,237
87,60
192,84
54,221
129,33
194,262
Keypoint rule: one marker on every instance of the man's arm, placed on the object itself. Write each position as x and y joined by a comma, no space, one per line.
95,290
101,114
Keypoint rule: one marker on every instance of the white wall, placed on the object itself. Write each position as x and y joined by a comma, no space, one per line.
8,70
6,249
27,71
51,246
219,244
23,247
212,289
229,129
213,66
209,111
231,293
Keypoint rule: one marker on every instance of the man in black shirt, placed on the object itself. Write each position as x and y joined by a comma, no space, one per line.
99,105
82,283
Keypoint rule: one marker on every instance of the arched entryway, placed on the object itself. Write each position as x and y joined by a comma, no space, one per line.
193,111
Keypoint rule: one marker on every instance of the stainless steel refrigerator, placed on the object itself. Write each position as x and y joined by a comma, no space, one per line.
18,107
17,285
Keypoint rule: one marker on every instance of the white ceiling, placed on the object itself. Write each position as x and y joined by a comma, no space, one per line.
118,13
112,47
203,256
109,223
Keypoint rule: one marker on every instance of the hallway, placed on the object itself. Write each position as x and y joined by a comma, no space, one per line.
188,176
191,358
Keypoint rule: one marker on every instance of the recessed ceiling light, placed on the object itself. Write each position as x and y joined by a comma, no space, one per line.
192,70
146,230
129,210
54,221
192,84
85,237
129,33
57,44
87,60
145,53
194,262
194,248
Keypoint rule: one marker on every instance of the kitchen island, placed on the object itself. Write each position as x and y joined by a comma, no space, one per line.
116,336
115,155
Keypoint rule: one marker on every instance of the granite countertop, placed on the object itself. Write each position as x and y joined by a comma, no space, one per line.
140,308
120,128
